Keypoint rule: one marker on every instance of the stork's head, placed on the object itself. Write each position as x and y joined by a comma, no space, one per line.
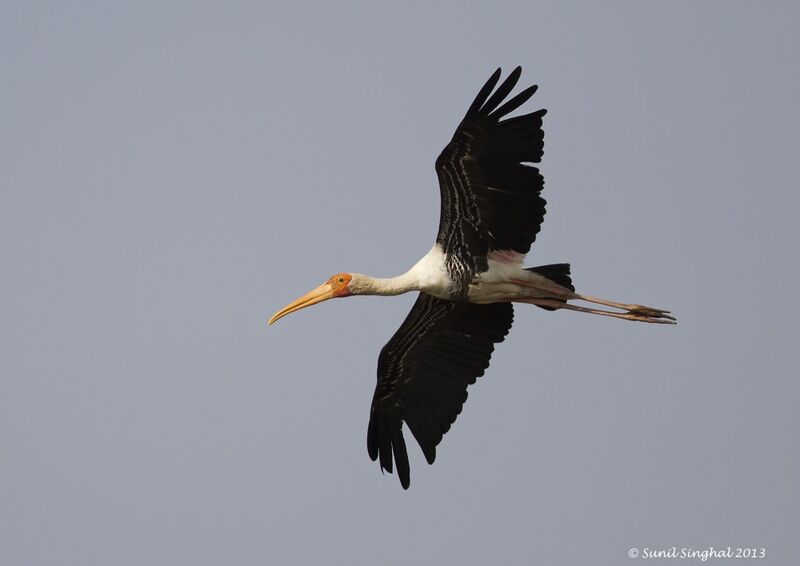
338,285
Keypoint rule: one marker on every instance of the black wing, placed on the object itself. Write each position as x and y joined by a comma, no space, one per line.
490,199
423,374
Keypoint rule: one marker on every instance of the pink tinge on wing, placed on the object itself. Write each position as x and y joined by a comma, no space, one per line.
506,256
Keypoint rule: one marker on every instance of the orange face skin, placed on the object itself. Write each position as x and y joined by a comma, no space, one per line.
336,286
339,283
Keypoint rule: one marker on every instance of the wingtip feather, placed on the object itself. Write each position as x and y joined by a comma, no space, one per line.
502,91
515,102
483,94
401,457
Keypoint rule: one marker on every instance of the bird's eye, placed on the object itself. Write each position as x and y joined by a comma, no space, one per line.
341,279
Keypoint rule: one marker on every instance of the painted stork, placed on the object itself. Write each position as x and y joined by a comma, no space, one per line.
491,211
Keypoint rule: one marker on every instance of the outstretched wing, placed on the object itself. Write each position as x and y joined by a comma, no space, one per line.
423,374
490,198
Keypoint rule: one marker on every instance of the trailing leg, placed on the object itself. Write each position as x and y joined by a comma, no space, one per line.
640,314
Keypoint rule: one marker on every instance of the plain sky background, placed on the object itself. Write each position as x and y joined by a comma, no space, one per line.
173,173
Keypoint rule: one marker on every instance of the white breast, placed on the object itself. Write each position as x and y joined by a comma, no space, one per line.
431,274
501,282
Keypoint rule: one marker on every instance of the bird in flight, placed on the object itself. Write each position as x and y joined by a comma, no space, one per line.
491,211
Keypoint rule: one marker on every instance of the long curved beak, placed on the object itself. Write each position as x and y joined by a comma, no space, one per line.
321,293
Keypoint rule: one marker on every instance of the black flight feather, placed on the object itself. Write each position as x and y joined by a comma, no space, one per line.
423,374
490,198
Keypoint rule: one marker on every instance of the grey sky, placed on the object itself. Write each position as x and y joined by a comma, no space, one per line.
173,173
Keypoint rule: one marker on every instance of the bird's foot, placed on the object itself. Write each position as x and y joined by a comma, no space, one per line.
650,314
640,313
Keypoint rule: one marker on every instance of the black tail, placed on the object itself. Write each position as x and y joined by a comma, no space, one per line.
557,273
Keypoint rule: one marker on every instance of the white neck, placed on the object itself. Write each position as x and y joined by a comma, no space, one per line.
366,285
